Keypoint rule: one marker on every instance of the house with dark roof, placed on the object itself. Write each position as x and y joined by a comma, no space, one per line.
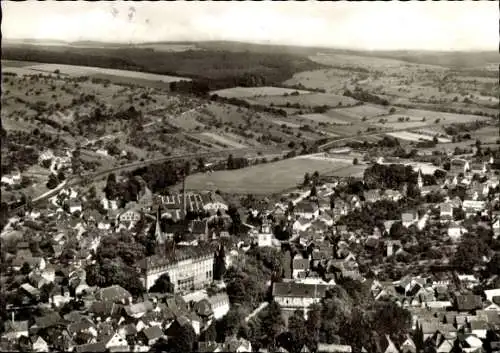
115,294
306,209
199,228
46,321
291,295
150,335
446,212
468,302
299,265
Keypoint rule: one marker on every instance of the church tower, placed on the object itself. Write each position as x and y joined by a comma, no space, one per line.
466,167
160,237
420,180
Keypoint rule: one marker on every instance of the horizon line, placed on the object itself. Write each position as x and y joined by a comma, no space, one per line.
262,43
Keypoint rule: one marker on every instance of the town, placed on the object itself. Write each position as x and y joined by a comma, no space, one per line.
413,257
224,196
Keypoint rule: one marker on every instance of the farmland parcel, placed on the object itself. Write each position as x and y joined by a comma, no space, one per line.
264,178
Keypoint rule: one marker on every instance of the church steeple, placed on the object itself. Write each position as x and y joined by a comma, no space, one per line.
420,180
159,235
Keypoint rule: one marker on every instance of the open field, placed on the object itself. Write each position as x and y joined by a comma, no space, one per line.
305,100
323,118
248,92
403,82
224,140
359,112
74,70
355,171
263,178
410,136
286,123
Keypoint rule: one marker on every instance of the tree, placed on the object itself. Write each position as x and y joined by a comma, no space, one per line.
397,230
355,161
220,264
315,177
297,329
162,285
230,162
53,182
25,268
313,192
313,324
307,179
235,219
332,201
111,189
271,323
183,340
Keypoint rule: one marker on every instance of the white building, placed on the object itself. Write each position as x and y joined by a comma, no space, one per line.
265,236
13,179
219,304
291,296
185,271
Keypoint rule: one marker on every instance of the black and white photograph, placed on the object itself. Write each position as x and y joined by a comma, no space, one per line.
250,176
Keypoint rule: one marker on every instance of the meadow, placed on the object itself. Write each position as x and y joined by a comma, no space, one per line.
263,178
248,92
415,137
306,100
323,118
74,70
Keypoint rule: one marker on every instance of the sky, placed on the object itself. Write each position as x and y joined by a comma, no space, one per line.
394,25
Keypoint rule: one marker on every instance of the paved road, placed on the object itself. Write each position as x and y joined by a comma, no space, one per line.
256,311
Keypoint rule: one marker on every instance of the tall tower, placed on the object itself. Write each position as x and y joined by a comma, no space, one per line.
466,167
160,237
420,180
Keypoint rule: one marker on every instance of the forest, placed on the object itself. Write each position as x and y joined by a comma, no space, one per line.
213,68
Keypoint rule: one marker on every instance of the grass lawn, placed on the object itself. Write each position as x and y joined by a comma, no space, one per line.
262,179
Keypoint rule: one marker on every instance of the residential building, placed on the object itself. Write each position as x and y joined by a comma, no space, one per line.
446,212
219,304
131,215
306,209
292,296
300,266
409,218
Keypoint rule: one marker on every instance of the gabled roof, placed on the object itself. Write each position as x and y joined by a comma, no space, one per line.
139,308
16,326
153,332
300,264
468,302
48,320
114,293
203,308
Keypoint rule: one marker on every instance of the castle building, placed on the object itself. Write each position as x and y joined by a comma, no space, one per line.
186,270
